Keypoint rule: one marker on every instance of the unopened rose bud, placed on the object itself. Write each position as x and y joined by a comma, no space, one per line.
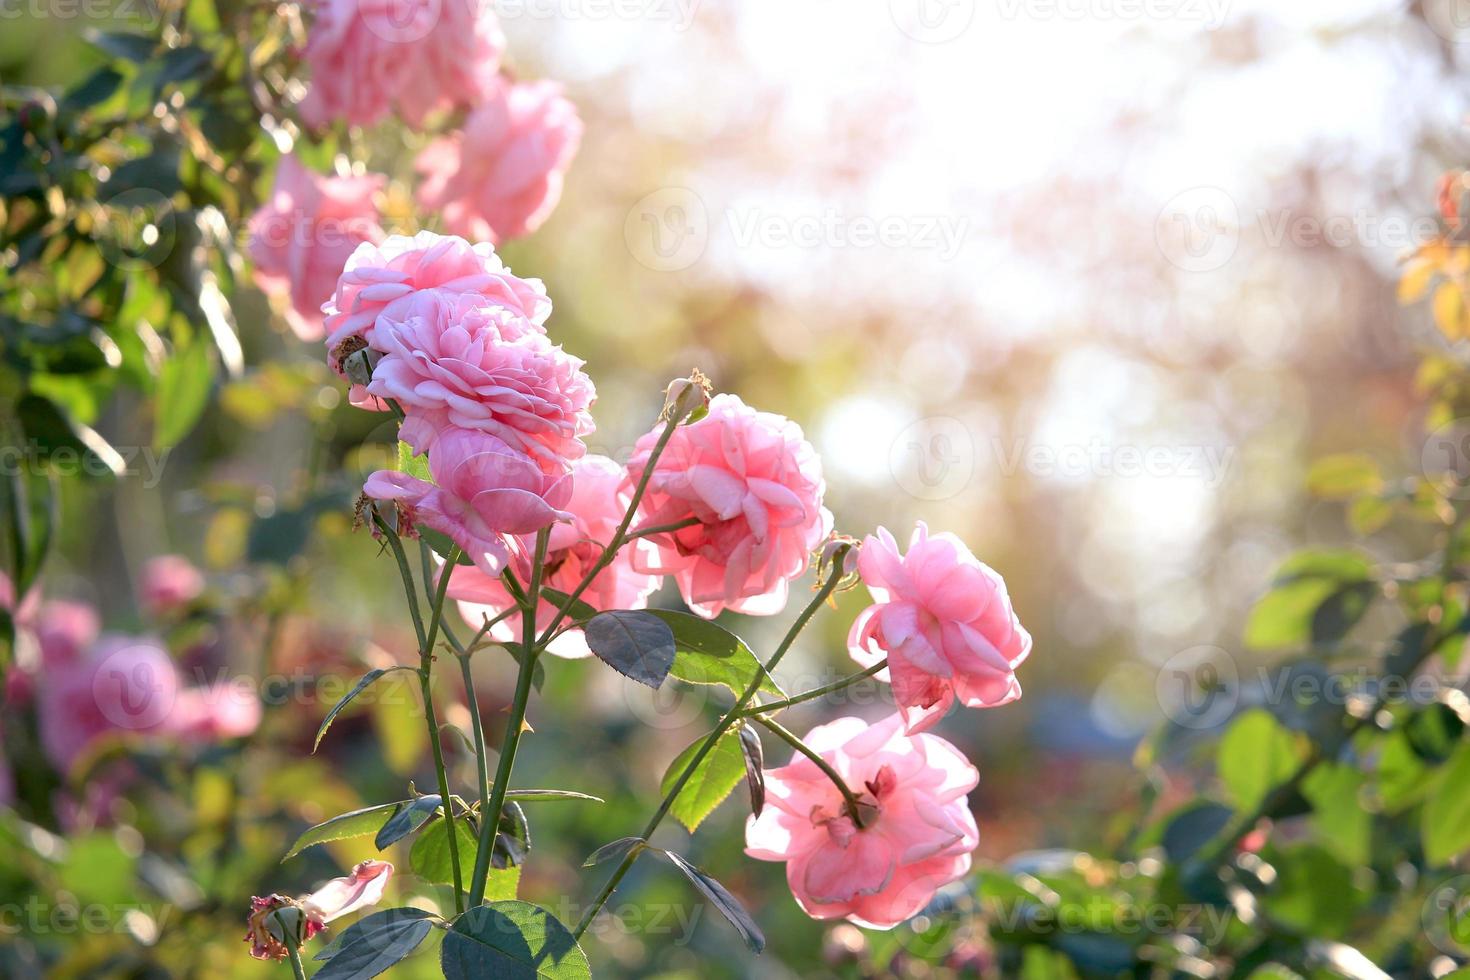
287,925
358,366
686,399
839,548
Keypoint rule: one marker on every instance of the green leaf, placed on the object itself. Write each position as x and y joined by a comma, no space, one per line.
1341,819
1314,891
1343,476
53,432
1434,732
408,818
579,612
728,905
549,796
502,884
616,849
1341,610
357,823
707,653
31,510
429,856
1445,824
374,943
414,465
1256,755
511,941
184,384
512,838
635,643
363,684
1286,615
96,88
1192,827
718,774
130,47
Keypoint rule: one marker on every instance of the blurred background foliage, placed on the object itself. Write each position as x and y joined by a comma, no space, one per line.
1074,315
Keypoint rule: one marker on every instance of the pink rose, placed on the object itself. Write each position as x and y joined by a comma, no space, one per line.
447,365
413,56
483,490
338,897
63,630
127,685
597,506
502,176
754,485
170,582
302,238
214,712
945,623
379,281
917,831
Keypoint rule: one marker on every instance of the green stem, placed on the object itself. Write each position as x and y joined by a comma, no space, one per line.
812,695
854,806
491,811
426,666
391,536
709,743
645,532
293,953
621,536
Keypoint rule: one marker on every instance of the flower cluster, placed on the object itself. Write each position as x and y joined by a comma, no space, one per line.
498,178
86,688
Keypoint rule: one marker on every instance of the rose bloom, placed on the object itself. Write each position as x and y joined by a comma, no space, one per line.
126,685
447,365
483,490
502,176
917,831
597,506
381,280
170,582
414,57
301,238
944,621
338,897
754,485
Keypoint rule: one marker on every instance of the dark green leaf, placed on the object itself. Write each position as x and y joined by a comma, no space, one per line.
357,823
719,772
31,511
511,941
1434,732
579,612
55,436
635,643
408,818
1341,610
755,776
363,684
98,87
374,943
707,653
616,849
718,896
130,47
513,838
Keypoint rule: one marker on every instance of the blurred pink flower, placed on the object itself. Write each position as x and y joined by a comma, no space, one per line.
944,621
301,239
597,505
755,486
917,831
446,365
483,490
502,176
126,685
338,897
414,57
379,282
215,712
7,778
64,629
170,582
